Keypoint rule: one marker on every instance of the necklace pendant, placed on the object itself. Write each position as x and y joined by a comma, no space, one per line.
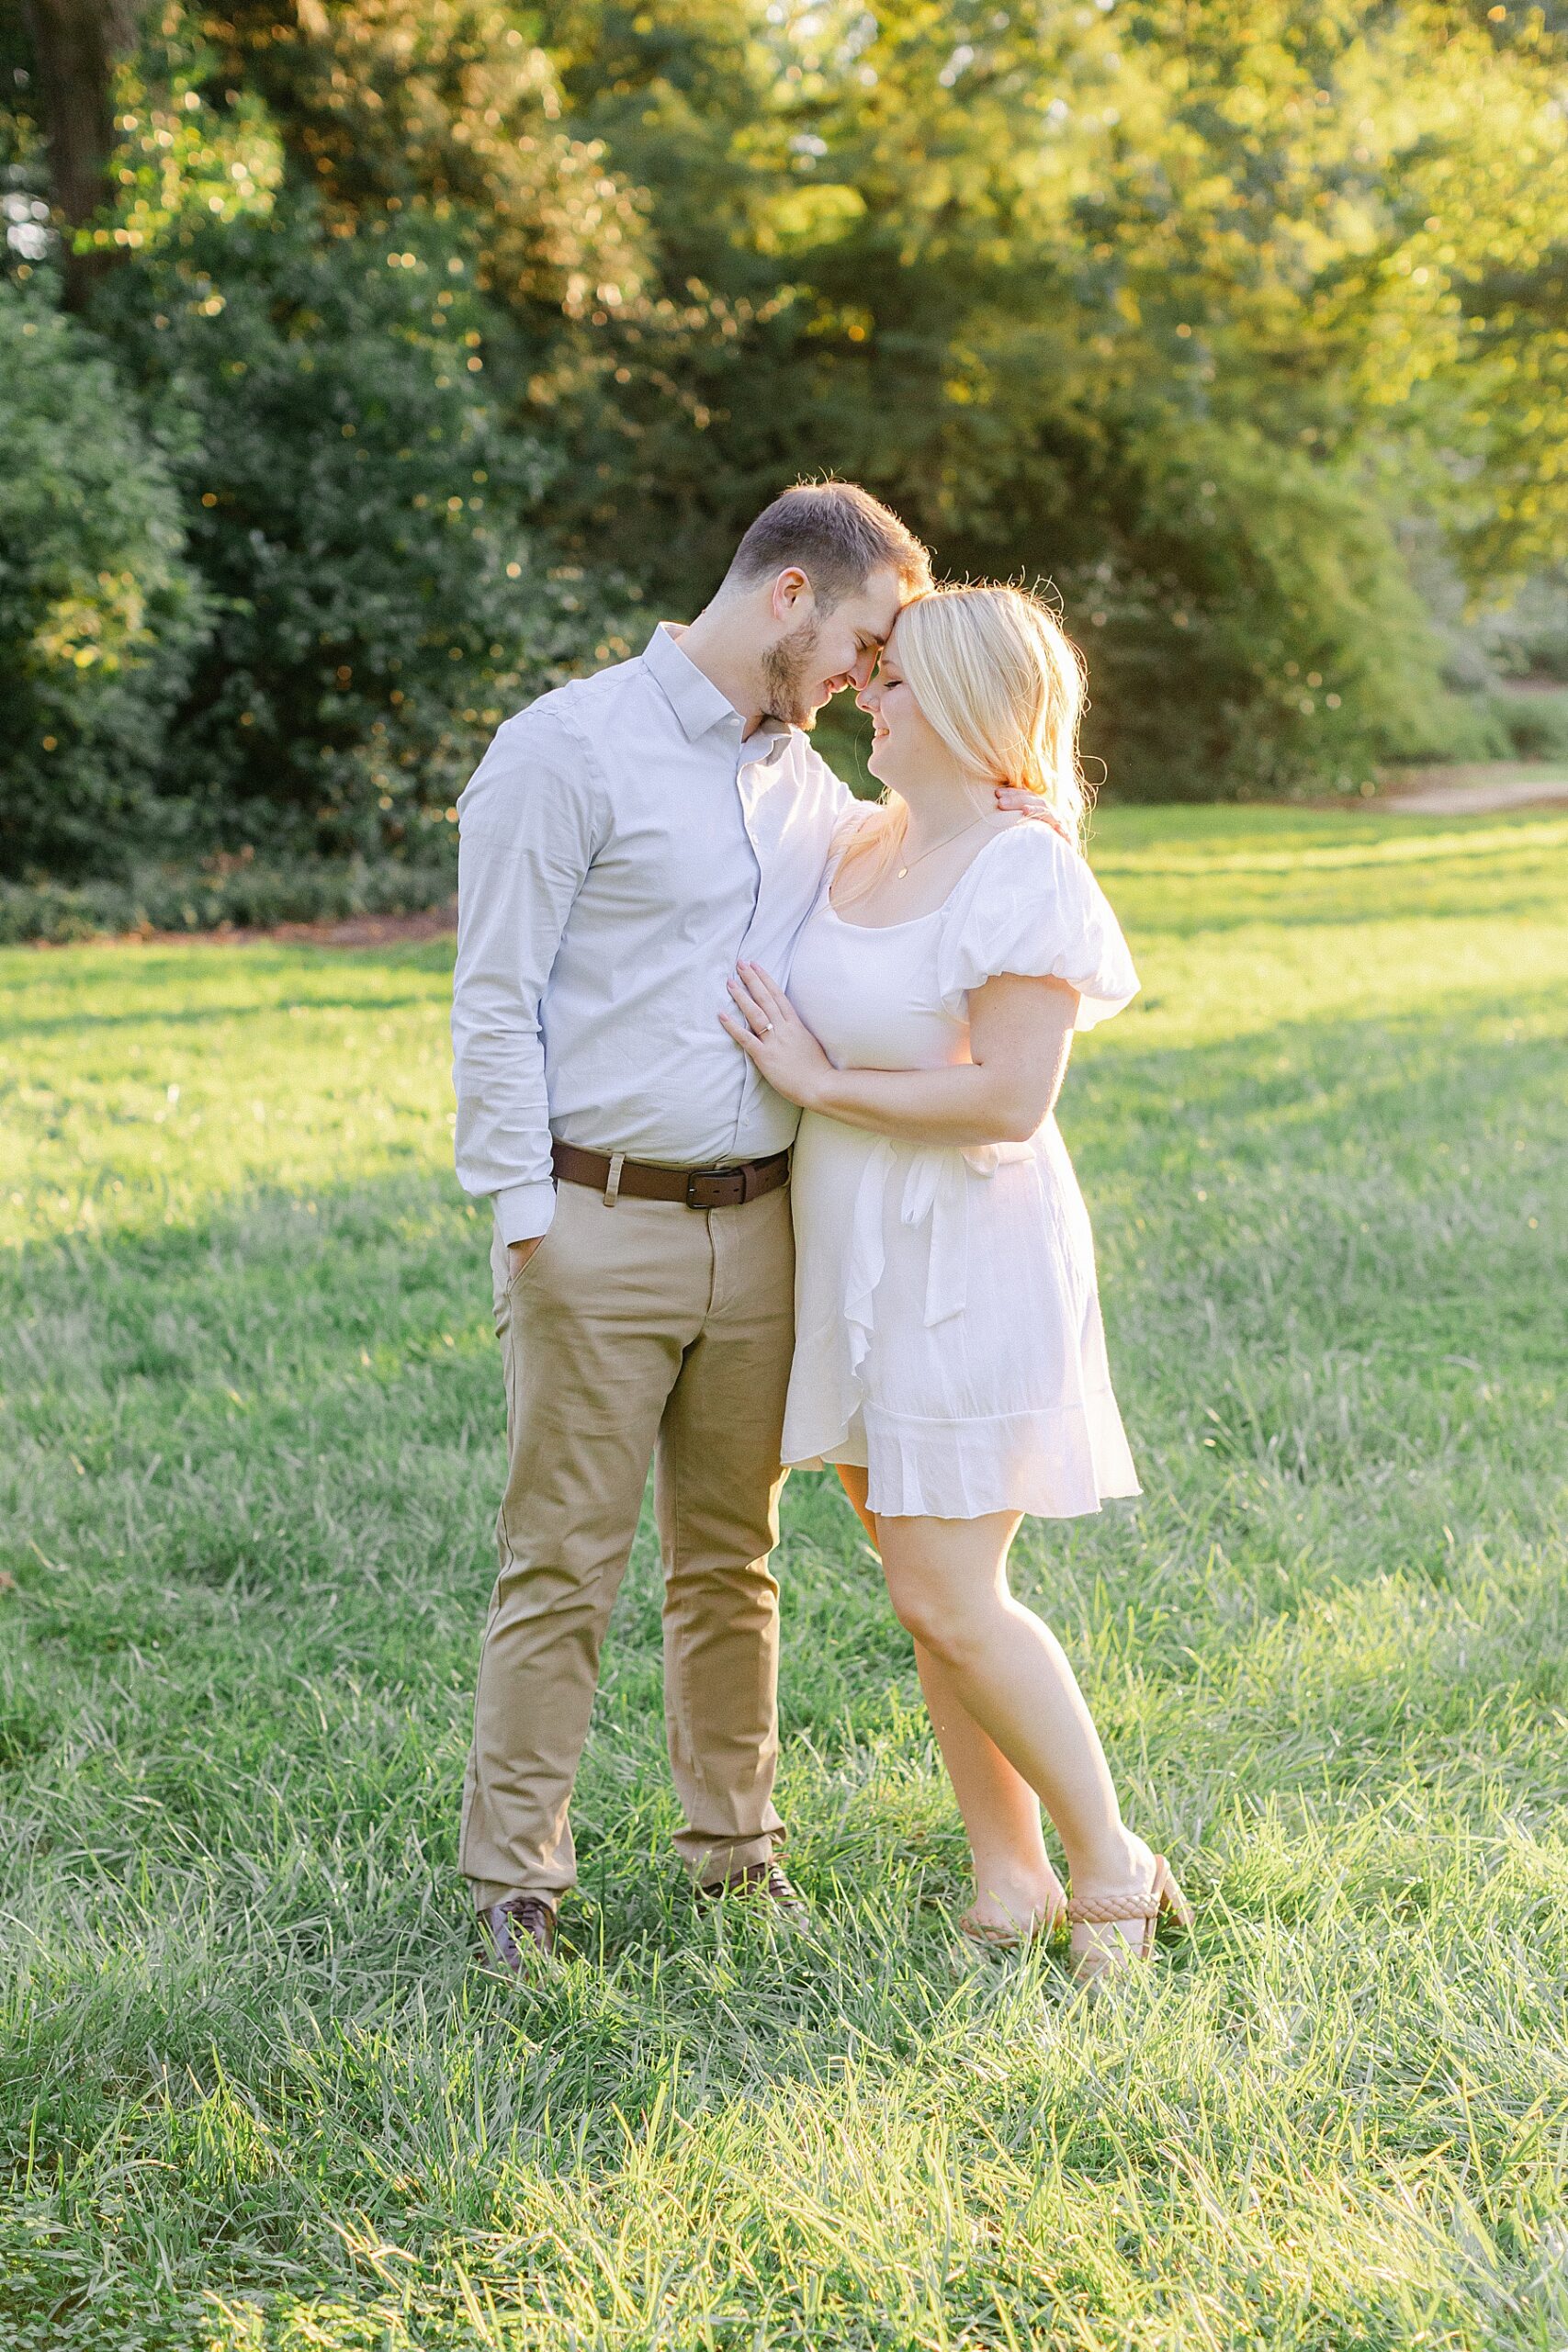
903,870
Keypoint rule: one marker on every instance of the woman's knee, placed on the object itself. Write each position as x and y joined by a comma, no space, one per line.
935,1618
945,1583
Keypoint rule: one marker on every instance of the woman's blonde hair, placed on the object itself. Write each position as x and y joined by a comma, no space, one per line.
995,674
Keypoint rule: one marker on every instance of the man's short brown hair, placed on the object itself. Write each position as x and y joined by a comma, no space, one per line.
839,535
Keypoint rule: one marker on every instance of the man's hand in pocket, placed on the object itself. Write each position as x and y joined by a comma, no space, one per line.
518,1254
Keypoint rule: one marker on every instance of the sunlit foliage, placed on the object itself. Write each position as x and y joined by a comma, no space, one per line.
1184,306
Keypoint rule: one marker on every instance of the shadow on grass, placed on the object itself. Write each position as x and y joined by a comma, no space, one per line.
1349,1156
285,1399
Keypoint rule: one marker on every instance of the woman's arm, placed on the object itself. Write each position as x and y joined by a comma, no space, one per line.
1020,1032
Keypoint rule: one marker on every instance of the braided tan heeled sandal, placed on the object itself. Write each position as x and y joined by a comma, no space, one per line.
1164,1899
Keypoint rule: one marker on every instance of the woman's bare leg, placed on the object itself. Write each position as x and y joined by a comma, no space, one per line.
1016,1889
948,1583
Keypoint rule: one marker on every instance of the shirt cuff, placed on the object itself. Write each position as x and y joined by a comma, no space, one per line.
523,1212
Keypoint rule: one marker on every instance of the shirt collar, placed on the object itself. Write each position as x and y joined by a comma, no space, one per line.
694,699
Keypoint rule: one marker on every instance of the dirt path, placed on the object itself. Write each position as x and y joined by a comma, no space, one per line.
1479,791
366,931
352,931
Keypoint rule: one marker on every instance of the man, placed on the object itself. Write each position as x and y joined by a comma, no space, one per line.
624,840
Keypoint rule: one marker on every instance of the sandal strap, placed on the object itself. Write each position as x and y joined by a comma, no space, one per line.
1007,1939
1109,1911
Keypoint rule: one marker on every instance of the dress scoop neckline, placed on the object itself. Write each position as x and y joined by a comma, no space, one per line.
910,921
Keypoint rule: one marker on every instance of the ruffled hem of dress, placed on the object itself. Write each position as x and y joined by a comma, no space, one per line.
825,1448
819,1427
1062,1462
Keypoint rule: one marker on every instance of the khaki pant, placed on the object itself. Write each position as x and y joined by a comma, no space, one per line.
645,1330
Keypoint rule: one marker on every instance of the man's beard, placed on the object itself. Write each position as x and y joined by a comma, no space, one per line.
786,669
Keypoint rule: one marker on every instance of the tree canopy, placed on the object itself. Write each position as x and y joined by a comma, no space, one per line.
457,332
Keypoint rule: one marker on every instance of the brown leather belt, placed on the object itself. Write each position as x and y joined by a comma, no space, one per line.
697,1188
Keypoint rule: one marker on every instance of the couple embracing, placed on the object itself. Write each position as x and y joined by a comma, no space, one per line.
758,1082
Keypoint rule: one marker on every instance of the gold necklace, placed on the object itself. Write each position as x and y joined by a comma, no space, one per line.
945,842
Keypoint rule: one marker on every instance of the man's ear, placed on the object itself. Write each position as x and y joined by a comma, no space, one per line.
793,598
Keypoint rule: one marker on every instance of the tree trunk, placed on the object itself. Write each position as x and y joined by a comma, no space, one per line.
77,45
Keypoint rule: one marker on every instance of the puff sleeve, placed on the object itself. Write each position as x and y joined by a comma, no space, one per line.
1030,905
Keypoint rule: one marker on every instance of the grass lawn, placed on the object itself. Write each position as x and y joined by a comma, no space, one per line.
252,2091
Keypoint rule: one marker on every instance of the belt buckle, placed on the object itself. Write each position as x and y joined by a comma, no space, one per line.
715,1188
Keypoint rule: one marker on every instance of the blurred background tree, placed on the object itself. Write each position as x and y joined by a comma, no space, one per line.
1190,307
100,614
455,334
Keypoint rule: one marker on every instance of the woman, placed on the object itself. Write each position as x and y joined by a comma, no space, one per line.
948,1354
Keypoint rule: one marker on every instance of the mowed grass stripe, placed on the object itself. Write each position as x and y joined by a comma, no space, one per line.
251,2091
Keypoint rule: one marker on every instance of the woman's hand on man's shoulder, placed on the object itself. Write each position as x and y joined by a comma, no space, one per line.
1018,802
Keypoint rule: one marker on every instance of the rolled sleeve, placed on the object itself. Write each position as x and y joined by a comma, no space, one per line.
528,828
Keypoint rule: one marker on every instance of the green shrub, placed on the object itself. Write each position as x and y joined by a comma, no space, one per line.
249,894
1534,721
364,510
100,615
1251,625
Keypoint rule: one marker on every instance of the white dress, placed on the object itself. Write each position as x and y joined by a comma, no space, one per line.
948,1337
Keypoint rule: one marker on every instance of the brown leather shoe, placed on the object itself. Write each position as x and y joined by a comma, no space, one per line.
757,1883
522,1923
